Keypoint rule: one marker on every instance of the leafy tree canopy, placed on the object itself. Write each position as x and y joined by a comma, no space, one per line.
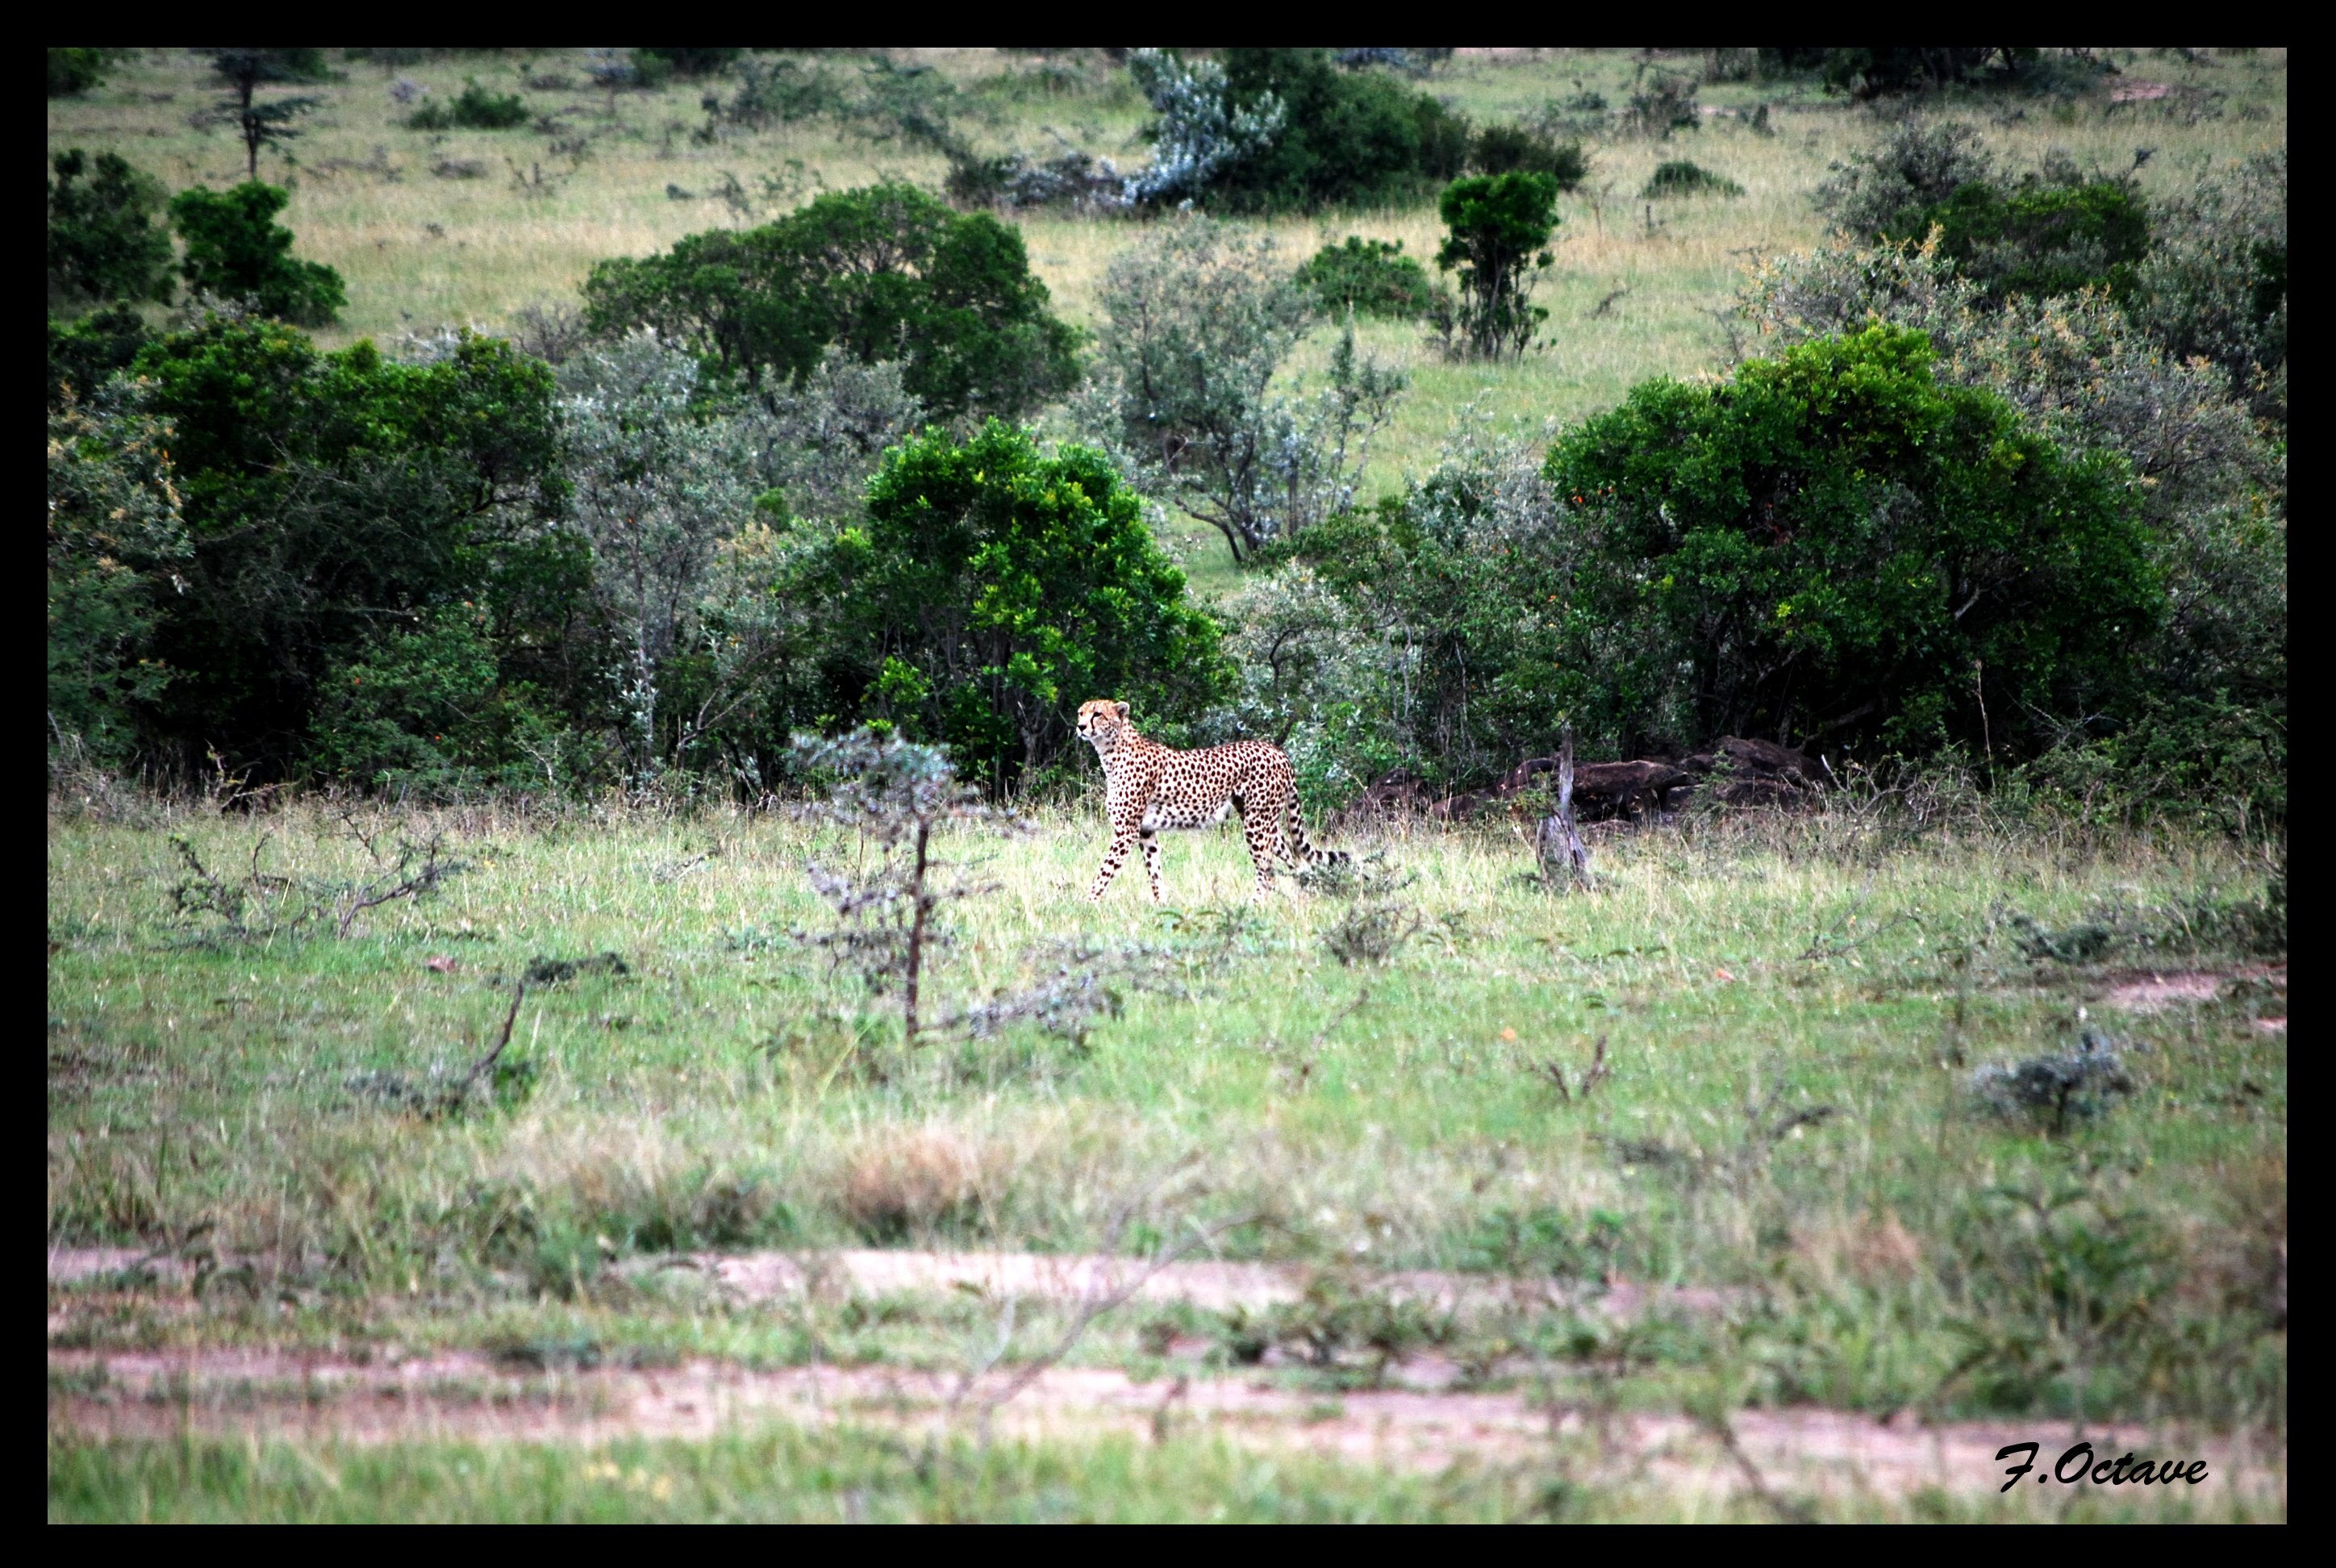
236,250
885,273
1834,546
994,589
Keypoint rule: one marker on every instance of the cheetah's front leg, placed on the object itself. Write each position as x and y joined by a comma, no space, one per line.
1123,837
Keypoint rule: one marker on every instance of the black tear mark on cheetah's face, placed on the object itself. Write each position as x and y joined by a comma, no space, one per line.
1148,787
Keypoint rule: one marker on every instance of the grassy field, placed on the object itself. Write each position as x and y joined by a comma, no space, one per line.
1561,1207
1790,1016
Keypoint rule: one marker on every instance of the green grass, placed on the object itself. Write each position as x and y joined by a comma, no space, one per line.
782,1476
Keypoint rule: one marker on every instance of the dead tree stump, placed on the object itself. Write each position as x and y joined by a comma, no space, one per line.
1564,858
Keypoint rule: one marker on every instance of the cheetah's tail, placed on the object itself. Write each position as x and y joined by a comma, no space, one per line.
1307,849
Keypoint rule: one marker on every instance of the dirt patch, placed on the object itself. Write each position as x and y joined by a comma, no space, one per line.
1810,1452
1210,1285
2156,991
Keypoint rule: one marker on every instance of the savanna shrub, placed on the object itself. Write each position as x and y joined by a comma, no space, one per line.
884,273
334,500
1833,545
115,538
1497,229
82,355
72,70
475,108
2207,725
1197,134
2216,283
1201,318
1503,148
993,589
691,62
236,250
2051,232
1346,138
1370,277
1867,73
105,242
1681,177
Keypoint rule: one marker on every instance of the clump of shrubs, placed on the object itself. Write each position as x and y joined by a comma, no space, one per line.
2054,230
1679,177
1503,149
1370,278
474,109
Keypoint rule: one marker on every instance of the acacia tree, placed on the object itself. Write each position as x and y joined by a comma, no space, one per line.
268,123
1499,228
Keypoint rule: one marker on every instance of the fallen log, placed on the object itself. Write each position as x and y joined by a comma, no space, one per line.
1750,773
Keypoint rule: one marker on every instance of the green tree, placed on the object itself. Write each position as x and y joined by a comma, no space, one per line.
1498,234
1346,138
885,273
994,588
2051,231
265,122
333,501
1834,546
236,250
104,243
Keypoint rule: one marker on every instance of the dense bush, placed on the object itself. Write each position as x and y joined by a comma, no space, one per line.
1371,277
1869,74
72,70
83,354
1497,229
885,273
1505,149
2216,283
105,242
1834,546
335,504
115,543
475,108
1201,319
2208,723
1681,177
690,63
2051,232
993,589
1432,631
234,251
1285,129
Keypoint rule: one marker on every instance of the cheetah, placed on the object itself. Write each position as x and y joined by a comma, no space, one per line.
1148,786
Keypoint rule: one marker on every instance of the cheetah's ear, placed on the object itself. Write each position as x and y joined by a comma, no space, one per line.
1121,707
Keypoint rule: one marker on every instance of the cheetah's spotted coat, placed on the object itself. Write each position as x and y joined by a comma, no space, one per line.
1148,786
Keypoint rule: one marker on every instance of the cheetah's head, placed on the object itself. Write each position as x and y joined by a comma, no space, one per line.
1103,723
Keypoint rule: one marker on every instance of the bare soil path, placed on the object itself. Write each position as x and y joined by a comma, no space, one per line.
1812,1453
